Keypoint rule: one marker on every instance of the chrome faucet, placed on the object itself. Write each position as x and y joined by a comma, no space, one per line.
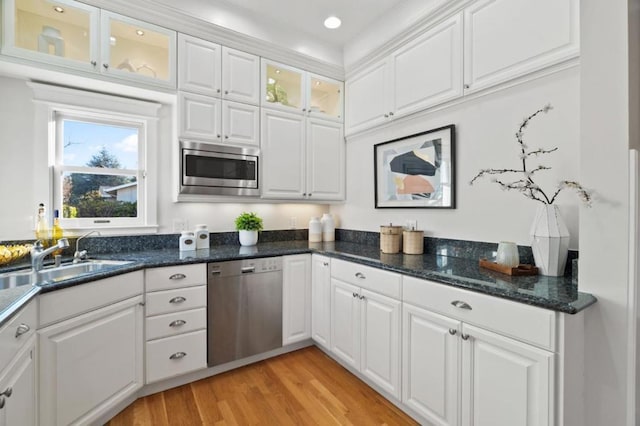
79,256
38,253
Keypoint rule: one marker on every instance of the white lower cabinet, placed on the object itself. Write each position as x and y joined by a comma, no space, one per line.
90,362
296,298
365,333
321,300
18,388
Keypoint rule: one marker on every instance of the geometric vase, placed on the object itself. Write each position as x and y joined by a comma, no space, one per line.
549,240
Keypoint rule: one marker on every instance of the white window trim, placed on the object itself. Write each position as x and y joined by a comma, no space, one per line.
51,100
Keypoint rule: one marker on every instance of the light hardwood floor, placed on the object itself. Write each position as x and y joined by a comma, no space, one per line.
304,387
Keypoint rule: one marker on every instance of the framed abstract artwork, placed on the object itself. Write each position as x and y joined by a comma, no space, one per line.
416,171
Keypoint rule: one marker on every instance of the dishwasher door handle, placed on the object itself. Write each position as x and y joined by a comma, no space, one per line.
248,269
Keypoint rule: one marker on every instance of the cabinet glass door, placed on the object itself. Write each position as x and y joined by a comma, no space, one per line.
137,50
325,97
282,87
60,32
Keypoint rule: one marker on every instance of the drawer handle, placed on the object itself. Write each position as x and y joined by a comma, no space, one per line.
464,336
216,272
460,304
453,331
178,299
22,328
360,275
178,355
355,294
177,323
361,297
325,263
248,269
7,392
177,277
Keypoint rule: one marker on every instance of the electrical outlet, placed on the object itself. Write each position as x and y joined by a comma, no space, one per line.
411,224
293,222
180,225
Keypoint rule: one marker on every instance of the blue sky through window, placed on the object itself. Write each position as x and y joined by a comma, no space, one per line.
82,140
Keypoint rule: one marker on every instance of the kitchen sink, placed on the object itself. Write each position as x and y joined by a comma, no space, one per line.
56,273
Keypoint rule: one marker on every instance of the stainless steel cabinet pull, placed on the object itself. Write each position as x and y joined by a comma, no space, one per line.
218,90
464,336
453,331
360,275
216,272
2,402
386,116
466,86
325,263
248,269
22,328
355,294
460,304
177,323
106,66
226,92
391,113
361,297
226,136
94,63
178,355
177,277
178,299
7,392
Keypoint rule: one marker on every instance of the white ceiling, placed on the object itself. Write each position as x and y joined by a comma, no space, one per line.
305,16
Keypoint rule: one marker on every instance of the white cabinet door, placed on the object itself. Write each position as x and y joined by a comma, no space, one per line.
428,70
505,382
345,322
89,363
430,368
321,300
199,117
380,340
508,38
283,154
19,381
240,76
367,99
296,298
240,123
325,160
199,66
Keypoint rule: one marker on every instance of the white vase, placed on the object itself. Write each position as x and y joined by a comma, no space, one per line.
549,240
248,238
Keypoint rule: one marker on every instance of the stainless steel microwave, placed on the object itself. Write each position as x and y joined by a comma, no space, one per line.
218,169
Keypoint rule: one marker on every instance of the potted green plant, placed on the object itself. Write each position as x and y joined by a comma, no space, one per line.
248,225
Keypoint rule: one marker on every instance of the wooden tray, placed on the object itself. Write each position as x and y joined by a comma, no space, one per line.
520,270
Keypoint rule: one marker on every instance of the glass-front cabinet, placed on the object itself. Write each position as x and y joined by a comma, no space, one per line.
74,35
295,90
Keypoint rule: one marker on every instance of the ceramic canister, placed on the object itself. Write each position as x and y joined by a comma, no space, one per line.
315,230
328,227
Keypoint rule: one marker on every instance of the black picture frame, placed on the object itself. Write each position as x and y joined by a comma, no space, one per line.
416,171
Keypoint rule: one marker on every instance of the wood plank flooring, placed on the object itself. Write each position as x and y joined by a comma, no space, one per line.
304,387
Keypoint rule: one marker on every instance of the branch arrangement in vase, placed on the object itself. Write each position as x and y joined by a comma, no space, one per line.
526,184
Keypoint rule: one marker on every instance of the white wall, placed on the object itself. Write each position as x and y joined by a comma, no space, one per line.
485,129
18,177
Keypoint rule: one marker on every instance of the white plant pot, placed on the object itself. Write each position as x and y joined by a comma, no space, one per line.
248,238
549,241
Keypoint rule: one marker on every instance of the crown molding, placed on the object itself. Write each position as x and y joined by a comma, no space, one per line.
164,16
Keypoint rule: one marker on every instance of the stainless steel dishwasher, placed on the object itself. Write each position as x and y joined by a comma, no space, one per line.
244,300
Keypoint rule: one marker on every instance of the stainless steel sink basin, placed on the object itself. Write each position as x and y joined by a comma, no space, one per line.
53,274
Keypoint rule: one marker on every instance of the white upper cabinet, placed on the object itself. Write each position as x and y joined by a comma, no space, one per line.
325,160
240,123
73,35
199,66
422,73
199,117
505,39
240,76
295,90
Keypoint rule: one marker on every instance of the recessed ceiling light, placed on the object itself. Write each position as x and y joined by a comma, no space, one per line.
277,71
58,9
332,22
140,32
317,83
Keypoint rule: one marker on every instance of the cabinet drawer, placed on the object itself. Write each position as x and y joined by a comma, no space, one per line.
17,331
176,323
181,299
518,320
73,301
175,277
383,282
176,355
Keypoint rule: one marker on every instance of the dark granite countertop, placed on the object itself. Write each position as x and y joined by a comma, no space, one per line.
555,293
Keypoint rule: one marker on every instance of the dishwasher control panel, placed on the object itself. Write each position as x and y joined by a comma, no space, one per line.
245,266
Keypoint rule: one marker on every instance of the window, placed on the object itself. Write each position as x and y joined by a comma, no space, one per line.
99,170
101,156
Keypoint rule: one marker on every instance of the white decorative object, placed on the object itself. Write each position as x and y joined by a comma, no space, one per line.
202,237
51,37
328,227
187,241
549,240
315,230
508,254
248,238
